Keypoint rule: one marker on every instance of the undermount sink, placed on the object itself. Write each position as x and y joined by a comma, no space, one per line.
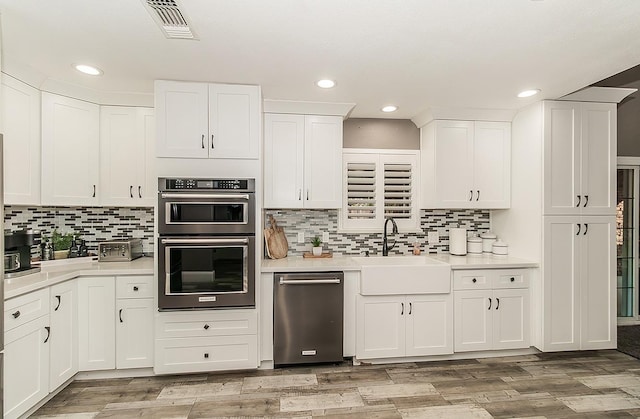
385,275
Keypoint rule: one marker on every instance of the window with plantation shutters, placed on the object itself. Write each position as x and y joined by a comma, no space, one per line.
378,185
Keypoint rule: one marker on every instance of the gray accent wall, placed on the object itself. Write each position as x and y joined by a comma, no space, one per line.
629,123
381,133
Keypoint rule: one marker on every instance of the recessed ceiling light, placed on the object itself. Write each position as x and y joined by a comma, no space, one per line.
390,108
326,83
88,69
529,93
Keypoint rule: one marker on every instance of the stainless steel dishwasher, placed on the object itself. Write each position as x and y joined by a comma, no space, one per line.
307,317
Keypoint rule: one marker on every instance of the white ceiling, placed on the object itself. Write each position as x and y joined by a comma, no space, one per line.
417,54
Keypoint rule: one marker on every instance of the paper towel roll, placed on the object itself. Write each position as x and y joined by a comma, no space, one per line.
458,241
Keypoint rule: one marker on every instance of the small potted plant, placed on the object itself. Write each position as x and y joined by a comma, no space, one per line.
317,246
61,244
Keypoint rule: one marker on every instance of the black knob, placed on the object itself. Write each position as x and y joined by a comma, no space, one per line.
16,314
512,279
474,280
206,355
206,327
136,288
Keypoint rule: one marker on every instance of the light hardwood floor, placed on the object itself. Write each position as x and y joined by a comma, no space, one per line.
593,384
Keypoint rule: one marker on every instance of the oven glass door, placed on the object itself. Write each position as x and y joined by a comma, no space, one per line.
206,213
207,272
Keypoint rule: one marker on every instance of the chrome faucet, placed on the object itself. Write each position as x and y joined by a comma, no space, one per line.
385,245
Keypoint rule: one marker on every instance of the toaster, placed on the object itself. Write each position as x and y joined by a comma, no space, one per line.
119,250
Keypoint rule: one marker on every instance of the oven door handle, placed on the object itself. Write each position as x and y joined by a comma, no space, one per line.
204,196
204,241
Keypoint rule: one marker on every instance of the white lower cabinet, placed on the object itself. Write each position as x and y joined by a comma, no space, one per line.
491,310
404,325
64,333
134,333
206,341
96,327
26,366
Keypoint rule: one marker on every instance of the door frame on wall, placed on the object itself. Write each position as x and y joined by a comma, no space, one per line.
633,163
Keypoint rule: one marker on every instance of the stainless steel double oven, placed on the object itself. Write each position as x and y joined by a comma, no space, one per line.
206,243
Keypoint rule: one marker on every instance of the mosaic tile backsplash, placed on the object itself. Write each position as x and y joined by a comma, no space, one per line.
315,222
93,224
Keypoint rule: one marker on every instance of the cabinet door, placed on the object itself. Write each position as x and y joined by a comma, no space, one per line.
322,162
562,158
597,283
429,325
70,142
234,121
561,284
96,328
134,333
598,170
511,319
126,156
473,311
20,112
283,160
492,164
182,119
454,164
380,326
64,333
26,366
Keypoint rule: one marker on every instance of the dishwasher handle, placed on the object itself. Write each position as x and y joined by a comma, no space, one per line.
309,281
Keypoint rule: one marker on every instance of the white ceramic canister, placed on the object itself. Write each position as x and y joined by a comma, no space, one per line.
488,239
474,245
500,248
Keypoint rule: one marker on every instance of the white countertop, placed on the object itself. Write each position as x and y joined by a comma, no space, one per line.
51,275
348,263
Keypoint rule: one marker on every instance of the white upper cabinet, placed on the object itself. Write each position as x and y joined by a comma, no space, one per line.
201,120
303,161
127,141
466,164
71,144
579,158
20,108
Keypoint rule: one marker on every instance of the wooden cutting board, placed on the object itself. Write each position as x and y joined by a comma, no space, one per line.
275,240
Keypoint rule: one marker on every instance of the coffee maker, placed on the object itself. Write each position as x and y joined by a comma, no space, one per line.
17,252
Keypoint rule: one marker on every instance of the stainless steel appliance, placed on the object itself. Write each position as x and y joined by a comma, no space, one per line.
119,250
17,253
308,317
206,243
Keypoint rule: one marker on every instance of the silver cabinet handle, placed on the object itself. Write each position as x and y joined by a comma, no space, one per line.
204,196
309,281
204,241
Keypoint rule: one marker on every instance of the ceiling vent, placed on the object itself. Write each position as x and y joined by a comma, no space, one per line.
170,18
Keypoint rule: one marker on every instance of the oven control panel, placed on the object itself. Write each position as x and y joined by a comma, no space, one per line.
172,184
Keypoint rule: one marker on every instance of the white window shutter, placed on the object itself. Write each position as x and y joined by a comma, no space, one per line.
398,192
361,190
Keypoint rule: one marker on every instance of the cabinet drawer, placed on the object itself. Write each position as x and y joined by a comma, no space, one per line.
511,279
135,286
205,324
206,354
23,309
471,280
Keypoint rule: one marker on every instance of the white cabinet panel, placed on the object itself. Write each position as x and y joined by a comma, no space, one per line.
70,141
96,326
26,366
511,319
64,333
429,325
134,333
303,161
20,113
579,158
579,283
201,120
381,327
127,175
182,119
466,164
473,320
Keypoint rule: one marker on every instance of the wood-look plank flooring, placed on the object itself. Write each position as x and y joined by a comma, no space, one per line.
592,384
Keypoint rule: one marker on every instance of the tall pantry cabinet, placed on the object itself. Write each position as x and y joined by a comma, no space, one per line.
563,214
